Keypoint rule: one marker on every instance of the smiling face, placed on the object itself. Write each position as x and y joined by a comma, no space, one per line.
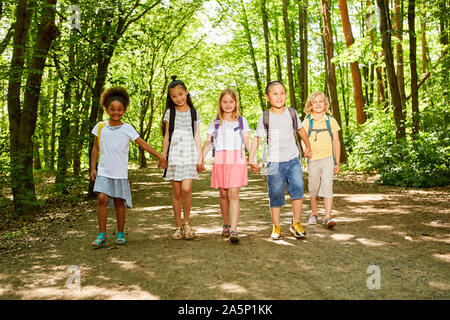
178,96
277,95
319,104
115,111
228,104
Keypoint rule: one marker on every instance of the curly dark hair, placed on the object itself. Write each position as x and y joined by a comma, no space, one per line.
115,93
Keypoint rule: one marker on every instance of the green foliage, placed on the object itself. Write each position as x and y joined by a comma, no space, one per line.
423,162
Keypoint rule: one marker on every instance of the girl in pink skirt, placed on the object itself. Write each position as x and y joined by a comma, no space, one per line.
228,134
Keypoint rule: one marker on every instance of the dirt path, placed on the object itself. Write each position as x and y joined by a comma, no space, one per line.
400,235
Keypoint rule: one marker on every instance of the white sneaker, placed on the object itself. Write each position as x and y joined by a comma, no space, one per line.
312,219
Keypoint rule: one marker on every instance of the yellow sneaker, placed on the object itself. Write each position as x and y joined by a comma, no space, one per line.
298,230
276,232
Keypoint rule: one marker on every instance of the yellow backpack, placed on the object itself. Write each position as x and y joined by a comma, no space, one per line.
100,127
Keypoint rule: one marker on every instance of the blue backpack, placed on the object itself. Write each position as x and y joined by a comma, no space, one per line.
240,127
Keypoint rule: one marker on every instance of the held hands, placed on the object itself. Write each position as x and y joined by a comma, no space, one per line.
162,163
254,166
200,167
308,153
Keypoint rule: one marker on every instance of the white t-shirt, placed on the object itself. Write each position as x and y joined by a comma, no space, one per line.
114,146
228,138
282,146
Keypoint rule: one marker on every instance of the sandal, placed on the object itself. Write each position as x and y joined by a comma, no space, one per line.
101,240
121,239
226,230
234,236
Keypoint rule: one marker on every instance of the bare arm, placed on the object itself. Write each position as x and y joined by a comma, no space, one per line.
337,151
144,145
305,139
94,156
206,147
252,155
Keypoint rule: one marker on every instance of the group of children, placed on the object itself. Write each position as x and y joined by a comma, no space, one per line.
228,135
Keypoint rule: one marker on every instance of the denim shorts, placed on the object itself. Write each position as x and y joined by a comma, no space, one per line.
284,174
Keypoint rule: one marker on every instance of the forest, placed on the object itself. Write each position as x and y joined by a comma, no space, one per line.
383,64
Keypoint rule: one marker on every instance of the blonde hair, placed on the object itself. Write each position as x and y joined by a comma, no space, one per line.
237,110
312,96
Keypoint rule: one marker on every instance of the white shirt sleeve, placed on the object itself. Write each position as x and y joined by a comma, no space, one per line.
95,130
131,132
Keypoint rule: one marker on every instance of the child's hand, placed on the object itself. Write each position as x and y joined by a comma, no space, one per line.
308,153
254,167
201,167
162,163
93,174
336,169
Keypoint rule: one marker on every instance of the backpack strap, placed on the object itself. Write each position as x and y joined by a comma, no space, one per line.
171,122
310,125
294,127
214,135
193,119
100,128
240,127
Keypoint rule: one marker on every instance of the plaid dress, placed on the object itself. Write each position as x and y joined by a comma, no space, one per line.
183,153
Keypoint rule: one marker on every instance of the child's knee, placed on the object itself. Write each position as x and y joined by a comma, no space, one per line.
186,190
102,199
233,194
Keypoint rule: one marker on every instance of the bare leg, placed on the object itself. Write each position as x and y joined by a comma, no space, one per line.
102,212
328,204
275,212
120,214
186,191
224,205
314,205
176,202
233,198
297,205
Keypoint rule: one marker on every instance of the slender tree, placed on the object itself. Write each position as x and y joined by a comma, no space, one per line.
413,67
398,33
251,49
287,34
331,71
356,74
386,31
23,116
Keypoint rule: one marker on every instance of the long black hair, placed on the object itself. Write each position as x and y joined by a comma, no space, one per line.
169,102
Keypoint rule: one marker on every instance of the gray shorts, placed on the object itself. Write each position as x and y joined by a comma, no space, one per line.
320,177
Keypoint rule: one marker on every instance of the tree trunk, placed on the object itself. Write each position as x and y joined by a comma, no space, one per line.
265,21
252,55
356,74
23,118
331,72
381,97
385,30
287,34
413,68
398,33
53,133
443,23
64,133
423,27
303,70
278,58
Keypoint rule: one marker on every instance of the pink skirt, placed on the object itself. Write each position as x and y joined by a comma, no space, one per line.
229,169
